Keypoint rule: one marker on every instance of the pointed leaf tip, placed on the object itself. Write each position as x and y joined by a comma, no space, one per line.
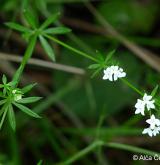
48,49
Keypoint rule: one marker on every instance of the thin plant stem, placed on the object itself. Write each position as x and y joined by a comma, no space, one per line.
82,153
27,56
131,86
98,143
71,48
89,57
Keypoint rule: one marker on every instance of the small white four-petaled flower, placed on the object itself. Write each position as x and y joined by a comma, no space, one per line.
145,102
151,132
153,122
112,73
148,101
140,107
154,127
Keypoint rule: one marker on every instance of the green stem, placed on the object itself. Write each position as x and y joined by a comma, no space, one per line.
89,57
99,143
27,56
82,153
71,48
131,86
131,148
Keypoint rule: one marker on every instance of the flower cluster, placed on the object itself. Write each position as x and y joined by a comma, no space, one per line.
112,73
154,127
154,124
146,102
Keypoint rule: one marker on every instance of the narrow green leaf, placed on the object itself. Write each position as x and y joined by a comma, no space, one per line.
93,66
109,56
48,49
26,110
12,83
28,88
11,117
96,72
4,79
32,21
17,27
29,100
57,30
50,20
100,56
2,102
4,110
154,91
40,162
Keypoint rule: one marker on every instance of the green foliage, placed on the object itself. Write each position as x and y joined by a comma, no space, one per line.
102,63
71,110
154,91
39,31
26,110
12,96
47,48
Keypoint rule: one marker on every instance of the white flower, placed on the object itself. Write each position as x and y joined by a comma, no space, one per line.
156,131
148,131
151,132
112,73
145,102
149,103
140,107
153,122
17,95
14,91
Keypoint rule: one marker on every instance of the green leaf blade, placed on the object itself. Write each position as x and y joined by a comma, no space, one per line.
109,56
32,21
48,49
4,112
11,117
2,102
28,88
26,110
29,100
4,79
94,66
17,27
154,91
50,20
57,30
